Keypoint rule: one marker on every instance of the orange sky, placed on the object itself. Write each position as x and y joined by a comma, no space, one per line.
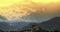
15,9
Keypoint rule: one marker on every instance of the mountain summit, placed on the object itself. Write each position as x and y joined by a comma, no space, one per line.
53,24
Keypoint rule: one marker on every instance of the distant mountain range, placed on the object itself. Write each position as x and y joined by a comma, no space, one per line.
46,26
6,26
52,24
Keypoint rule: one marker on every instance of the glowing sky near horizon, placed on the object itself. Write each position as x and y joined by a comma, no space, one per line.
16,9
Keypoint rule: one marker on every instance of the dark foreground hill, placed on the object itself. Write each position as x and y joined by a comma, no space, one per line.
46,26
52,25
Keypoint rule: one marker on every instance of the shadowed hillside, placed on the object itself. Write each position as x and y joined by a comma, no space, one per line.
53,24
47,26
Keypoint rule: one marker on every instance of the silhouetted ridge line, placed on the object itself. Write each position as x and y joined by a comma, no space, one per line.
50,25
